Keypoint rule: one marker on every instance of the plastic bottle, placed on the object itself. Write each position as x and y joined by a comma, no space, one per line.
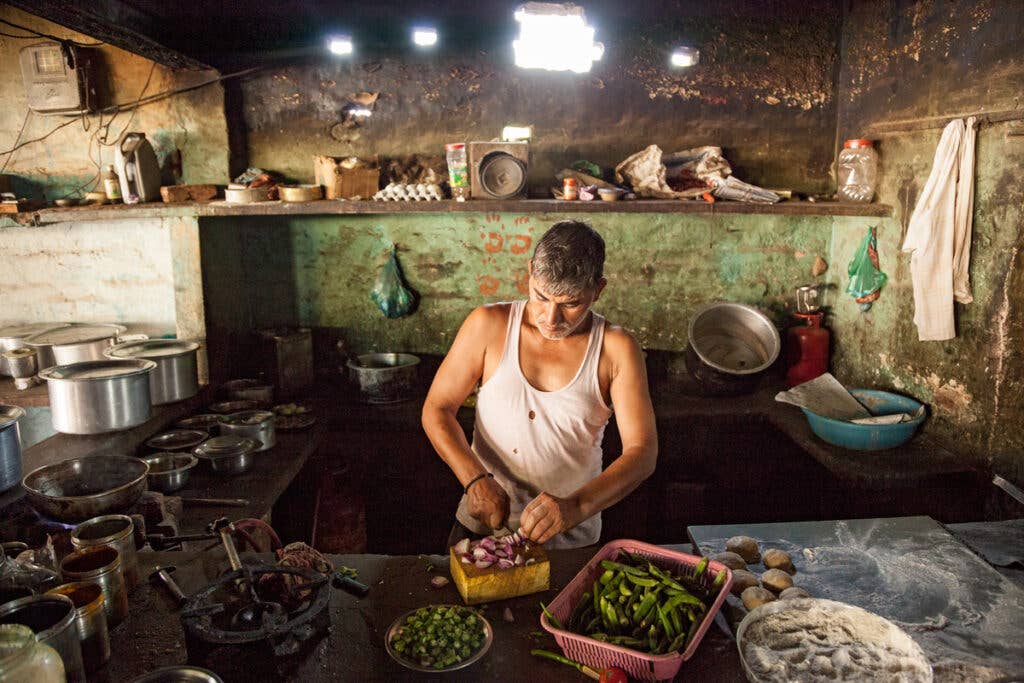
857,171
112,184
458,171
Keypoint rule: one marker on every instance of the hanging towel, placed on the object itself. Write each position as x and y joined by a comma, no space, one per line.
939,234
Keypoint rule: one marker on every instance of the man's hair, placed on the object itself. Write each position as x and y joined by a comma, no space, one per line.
569,258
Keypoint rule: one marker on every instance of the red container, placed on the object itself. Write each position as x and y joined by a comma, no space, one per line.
599,655
807,345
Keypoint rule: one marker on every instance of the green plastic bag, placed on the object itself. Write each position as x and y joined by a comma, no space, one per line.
866,278
390,294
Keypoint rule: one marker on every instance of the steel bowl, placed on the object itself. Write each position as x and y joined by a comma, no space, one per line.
82,488
168,472
177,440
384,377
473,658
185,673
730,347
228,454
208,422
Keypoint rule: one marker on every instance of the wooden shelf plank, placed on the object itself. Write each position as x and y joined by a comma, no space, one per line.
331,207
34,397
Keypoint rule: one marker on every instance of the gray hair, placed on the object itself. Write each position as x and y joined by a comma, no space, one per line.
569,258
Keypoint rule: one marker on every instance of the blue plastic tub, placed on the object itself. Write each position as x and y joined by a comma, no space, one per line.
869,437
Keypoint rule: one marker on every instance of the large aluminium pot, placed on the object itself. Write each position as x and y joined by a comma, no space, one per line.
384,377
176,376
82,488
74,343
10,446
94,397
730,347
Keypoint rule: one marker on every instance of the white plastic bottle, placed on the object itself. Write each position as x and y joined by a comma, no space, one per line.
857,171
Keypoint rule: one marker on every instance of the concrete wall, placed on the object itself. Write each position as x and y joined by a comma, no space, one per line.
319,271
68,161
763,89
917,59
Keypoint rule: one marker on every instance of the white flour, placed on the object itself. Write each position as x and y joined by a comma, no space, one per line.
813,641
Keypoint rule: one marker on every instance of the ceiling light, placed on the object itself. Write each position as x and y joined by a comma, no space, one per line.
555,37
516,133
340,45
424,37
685,56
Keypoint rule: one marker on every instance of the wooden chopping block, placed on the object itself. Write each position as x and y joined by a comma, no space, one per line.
183,193
486,585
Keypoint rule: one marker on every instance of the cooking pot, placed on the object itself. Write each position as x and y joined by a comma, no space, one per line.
176,376
253,424
14,336
82,488
74,342
230,454
168,472
384,377
730,347
10,446
98,396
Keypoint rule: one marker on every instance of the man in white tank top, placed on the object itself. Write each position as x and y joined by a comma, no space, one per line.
549,371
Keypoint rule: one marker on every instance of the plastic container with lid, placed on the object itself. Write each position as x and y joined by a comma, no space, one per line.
857,171
458,170
22,658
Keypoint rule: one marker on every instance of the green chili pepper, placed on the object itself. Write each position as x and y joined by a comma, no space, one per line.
641,581
551,617
619,567
701,566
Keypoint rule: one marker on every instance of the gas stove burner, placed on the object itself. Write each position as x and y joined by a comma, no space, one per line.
239,609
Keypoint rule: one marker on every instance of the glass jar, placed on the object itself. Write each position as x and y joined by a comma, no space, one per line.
458,170
857,171
22,658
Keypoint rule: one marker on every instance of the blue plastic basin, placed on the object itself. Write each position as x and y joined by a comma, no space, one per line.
869,437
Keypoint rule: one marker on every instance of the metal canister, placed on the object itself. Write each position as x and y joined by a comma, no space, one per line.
52,619
118,532
10,446
101,565
91,619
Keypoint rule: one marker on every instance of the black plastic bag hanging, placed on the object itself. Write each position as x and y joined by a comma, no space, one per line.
389,292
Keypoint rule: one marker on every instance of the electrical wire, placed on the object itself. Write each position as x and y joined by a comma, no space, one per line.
37,34
134,110
24,122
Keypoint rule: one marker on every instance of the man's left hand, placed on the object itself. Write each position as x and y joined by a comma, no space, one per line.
547,516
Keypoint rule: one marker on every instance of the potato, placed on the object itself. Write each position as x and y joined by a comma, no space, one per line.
730,560
793,592
742,580
756,596
745,547
776,580
778,559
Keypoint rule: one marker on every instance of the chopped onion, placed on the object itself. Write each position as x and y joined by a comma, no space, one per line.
479,553
519,560
466,559
506,614
505,564
462,547
501,552
488,543
439,582
531,560
483,564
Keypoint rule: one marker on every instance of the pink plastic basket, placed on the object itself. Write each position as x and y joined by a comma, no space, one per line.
600,655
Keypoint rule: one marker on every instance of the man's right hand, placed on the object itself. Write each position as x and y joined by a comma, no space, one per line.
488,503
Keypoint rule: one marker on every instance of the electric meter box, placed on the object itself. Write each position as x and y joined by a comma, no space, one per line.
54,78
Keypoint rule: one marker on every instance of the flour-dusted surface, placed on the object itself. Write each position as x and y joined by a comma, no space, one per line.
965,615
812,640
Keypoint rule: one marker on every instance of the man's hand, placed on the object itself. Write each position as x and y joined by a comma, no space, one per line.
488,502
547,515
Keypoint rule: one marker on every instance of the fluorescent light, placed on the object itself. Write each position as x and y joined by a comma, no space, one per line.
516,133
340,45
685,56
555,37
360,112
424,37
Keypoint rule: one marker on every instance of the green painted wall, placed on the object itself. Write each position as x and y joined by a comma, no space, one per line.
921,59
319,271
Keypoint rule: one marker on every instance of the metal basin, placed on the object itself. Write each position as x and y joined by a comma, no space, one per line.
185,673
730,347
168,472
384,377
81,488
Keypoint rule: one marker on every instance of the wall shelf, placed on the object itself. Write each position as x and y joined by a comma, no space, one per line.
331,207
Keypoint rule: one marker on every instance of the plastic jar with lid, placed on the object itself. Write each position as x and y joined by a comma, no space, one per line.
23,658
857,171
458,170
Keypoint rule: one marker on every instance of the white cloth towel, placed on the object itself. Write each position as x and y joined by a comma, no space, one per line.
939,234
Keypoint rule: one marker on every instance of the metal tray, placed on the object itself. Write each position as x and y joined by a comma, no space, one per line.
476,656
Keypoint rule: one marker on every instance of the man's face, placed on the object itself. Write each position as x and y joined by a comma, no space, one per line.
556,317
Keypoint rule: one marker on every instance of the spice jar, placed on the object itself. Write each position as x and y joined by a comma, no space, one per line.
102,565
857,171
570,189
23,658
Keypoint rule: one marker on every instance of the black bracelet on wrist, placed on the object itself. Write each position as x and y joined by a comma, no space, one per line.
475,480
